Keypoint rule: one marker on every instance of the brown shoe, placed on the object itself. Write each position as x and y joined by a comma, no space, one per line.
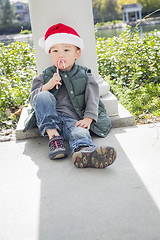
95,157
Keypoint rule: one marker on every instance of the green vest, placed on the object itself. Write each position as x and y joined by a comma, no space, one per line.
75,82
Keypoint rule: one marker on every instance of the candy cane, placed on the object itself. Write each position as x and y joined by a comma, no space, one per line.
58,63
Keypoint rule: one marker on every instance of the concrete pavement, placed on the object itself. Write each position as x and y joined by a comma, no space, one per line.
53,200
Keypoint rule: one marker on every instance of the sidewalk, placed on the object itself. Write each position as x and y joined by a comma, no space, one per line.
53,200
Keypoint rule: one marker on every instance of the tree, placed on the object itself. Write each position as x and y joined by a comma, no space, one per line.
0,11
108,10
149,5
112,8
96,5
6,13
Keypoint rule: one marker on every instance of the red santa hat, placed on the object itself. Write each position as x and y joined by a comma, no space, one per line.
58,34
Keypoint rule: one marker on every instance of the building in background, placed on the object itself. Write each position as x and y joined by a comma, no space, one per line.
21,10
132,8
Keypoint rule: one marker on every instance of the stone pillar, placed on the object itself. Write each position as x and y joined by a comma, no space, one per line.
140,15
75,13
136,17
127,17
123,17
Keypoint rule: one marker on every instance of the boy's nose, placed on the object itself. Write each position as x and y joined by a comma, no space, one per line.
60,56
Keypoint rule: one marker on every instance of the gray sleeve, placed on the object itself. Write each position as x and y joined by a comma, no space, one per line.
91,98
37,84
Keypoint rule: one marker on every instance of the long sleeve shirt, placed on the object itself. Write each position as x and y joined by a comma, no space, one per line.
63,103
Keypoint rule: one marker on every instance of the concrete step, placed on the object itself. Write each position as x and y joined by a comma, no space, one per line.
123,118
111,104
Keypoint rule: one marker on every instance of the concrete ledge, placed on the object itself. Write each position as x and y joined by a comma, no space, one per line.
124,118
19,130
111,104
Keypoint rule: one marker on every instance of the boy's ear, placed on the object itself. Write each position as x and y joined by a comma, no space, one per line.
78,54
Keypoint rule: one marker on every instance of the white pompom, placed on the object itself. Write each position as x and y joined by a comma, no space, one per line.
41,42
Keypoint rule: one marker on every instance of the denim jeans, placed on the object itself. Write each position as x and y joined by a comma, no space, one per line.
48,118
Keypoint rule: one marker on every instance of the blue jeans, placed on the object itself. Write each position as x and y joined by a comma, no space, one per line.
48,118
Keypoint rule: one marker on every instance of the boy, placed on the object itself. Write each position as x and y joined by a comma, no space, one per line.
65,101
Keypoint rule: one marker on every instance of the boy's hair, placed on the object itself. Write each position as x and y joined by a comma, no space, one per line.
58,34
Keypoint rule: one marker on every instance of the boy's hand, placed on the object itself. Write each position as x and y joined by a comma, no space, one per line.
56,79
85,123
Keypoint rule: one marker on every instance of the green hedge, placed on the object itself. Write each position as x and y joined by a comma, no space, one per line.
131,65
17,69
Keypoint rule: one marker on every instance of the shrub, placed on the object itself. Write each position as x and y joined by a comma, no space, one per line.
17,69
131,65
25,32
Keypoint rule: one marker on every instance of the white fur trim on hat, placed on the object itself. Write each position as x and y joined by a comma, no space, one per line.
60,38
41,42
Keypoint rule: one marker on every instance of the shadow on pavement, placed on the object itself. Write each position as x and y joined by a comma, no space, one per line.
92,204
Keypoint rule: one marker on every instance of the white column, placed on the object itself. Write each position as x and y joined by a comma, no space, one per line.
140,15
136,17
75,13
127,17
123,17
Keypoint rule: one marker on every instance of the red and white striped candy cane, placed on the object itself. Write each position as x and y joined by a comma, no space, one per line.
58,63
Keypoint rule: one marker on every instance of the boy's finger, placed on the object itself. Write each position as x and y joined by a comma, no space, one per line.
77,124
56,75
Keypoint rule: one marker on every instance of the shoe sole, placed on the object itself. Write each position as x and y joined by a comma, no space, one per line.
100,158
58,156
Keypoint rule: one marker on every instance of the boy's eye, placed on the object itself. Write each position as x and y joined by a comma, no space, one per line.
66,50
55,50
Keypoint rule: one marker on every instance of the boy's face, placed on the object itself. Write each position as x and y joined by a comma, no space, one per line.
67,52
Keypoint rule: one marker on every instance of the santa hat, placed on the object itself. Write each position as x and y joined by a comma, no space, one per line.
58,34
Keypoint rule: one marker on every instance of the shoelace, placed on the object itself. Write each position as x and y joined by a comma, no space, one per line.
56,143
